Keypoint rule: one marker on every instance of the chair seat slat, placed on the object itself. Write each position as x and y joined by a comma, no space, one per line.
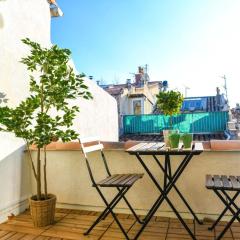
110,179
209,181
226,183
235,182
120,180
126,180
223,182
134,179
217,181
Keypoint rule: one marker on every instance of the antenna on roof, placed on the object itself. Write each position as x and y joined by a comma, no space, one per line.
225,86
186,89
146,68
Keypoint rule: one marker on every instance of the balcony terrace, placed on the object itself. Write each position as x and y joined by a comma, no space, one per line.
79,205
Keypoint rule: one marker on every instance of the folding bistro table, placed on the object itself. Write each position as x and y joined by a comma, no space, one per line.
158,149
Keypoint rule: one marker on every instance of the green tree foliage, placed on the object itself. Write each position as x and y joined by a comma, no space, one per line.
169,103
46,114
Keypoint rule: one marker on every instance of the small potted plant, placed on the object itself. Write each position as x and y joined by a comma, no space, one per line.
174,139
169,103
187,139
44,116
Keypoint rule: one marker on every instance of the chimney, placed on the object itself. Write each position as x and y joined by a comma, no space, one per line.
128,82
98,82
90,77
138,76
218,97
140,70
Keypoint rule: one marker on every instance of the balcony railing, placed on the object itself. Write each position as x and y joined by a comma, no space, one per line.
196,122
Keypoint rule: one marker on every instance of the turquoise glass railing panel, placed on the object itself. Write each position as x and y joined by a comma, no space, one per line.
196,122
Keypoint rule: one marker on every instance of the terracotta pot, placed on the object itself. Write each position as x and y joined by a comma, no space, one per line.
43,211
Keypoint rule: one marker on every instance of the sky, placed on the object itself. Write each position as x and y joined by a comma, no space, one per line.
189,43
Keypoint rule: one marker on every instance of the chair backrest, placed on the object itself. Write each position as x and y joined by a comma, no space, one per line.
87,149
97,146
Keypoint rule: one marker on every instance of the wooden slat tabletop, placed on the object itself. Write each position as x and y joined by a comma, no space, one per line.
159,147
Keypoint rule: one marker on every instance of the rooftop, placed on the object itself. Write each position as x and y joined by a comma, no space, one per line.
202,104
117,89
70,224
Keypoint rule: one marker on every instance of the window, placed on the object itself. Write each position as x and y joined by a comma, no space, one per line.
137,107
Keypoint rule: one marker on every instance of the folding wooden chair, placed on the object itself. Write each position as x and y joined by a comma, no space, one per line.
122,182
222,186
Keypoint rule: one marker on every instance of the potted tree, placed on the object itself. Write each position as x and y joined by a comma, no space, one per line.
169,103
45,116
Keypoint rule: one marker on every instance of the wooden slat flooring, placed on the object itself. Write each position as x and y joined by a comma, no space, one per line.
71,224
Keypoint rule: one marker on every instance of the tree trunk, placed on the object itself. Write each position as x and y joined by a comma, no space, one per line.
39,174
31,160
45,172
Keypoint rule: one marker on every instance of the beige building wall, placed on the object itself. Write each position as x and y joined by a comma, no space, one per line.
69,179
126,102
148,107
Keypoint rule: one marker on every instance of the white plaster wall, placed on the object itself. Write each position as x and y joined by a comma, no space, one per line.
15,176
69,180
20,19
99,116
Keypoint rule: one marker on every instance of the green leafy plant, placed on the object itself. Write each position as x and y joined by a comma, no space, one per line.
46,115
174,140
187,139
169,103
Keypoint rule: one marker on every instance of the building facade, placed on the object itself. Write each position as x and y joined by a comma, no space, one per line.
135,98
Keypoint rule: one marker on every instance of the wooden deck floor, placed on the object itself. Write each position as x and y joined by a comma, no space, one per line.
70,224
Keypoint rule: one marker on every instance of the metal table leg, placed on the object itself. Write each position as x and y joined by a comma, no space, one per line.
168,176
168,186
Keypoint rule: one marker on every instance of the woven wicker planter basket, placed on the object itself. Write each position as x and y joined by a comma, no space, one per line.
42,212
